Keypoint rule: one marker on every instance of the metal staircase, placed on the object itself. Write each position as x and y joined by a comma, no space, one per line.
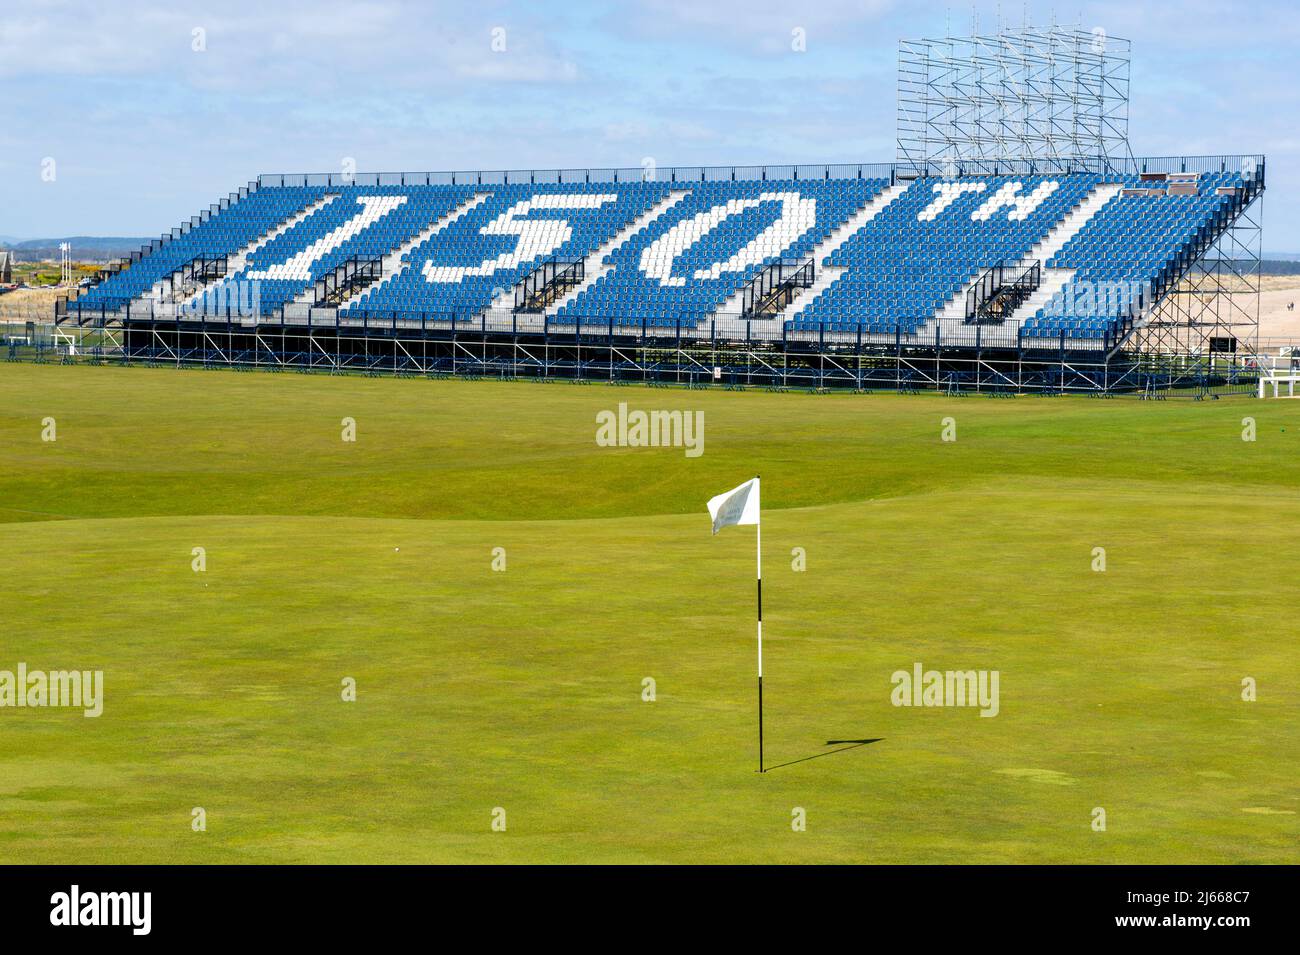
552,279
771,291
997,293
344,281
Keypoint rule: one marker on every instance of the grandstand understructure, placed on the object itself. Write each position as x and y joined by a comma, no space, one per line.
1090,277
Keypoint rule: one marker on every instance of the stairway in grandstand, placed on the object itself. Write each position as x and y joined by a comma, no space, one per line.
346,280
549,280
527,305
1055,279
771,291
198,273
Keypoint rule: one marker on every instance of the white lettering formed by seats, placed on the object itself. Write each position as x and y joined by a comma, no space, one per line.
298,266
948,192
537,237
798,215
1009,195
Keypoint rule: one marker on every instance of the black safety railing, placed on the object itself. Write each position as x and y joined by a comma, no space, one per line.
199,271
550,280
774,288
1000,290
892,171
348,278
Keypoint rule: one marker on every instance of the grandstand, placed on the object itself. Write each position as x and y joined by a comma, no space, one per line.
944,269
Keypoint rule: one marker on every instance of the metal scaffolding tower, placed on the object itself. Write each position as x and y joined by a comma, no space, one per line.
1024,99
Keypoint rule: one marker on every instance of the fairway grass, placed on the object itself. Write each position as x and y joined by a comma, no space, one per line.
522,688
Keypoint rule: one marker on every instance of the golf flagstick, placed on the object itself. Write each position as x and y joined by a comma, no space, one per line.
741,505
758,553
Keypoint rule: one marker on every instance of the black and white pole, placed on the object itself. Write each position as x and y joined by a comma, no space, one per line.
758,547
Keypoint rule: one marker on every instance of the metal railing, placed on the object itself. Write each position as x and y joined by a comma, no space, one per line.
774,288
891,171
355,273
1000,290
552,278
627,174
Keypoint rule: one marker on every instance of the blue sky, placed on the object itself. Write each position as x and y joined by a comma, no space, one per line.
145,130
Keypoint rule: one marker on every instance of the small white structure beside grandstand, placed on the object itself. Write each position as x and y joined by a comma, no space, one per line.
1284,369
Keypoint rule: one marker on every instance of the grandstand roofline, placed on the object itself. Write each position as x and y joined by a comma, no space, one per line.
687,174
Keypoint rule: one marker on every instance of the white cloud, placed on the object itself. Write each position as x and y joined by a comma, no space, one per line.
303,46
757,26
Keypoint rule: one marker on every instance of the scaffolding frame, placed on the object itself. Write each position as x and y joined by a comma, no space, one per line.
1215,305
735,355
1048,99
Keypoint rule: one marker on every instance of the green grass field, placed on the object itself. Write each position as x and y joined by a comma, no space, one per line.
522,689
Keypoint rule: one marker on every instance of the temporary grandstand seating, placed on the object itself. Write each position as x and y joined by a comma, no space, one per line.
673,254
931,241
1132,249
360,222
463,268
223,234
692,259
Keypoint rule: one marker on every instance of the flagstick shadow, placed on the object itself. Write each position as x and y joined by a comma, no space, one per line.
852,744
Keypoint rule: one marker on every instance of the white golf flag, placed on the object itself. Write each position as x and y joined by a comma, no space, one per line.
737,506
